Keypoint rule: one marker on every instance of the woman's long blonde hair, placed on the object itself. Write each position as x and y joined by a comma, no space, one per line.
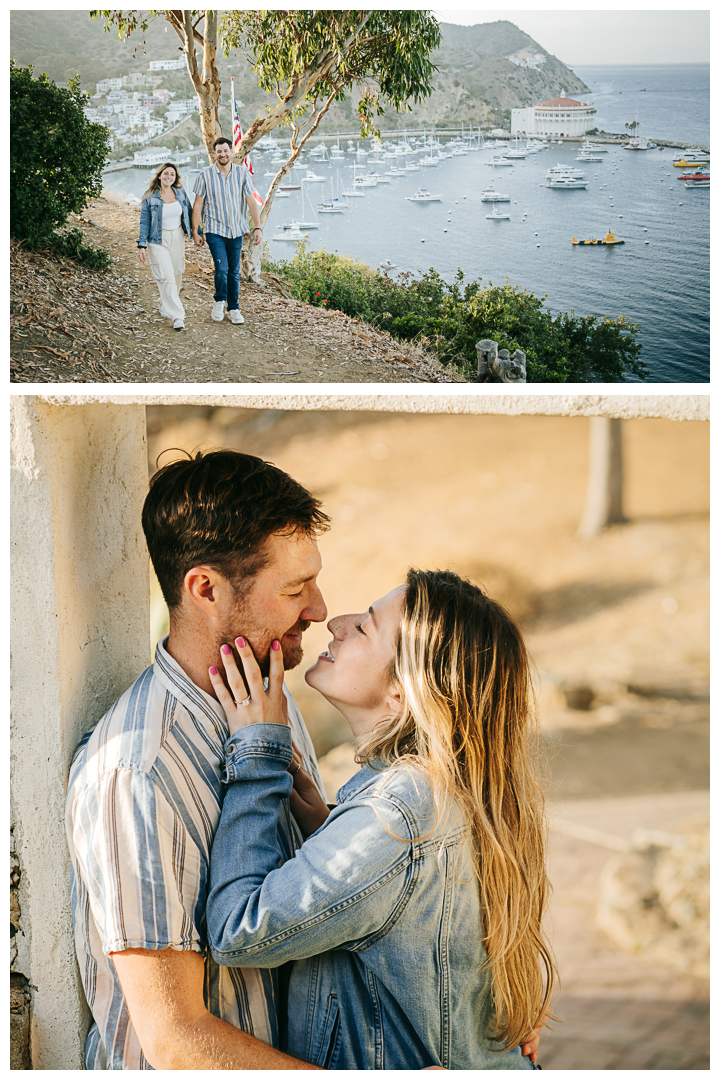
154,185
467,719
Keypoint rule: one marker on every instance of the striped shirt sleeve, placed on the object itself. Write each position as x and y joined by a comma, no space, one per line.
146,877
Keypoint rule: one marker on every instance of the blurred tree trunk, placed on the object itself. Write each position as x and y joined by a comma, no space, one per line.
603,499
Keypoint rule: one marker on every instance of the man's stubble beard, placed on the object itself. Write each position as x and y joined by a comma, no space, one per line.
241,622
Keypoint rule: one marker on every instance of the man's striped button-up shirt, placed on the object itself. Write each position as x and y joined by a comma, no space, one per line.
143,805
225,210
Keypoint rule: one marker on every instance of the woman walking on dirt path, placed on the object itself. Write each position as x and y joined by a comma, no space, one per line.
164,217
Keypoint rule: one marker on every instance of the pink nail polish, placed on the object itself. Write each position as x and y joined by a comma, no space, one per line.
213,671
226,649
240,642
276,645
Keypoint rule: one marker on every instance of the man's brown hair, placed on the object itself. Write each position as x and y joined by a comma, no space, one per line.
218,509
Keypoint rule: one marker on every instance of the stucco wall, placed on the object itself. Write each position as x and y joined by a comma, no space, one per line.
624,402
80,635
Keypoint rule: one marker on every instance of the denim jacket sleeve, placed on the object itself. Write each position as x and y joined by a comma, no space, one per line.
144,223
345,887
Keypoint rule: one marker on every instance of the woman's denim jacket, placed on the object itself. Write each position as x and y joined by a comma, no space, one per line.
380,914
151,217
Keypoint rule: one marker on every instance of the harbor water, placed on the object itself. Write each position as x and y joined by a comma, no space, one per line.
659,278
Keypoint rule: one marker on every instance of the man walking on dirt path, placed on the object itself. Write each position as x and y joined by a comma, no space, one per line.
223,196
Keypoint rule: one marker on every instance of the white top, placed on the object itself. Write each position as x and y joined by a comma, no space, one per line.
172,214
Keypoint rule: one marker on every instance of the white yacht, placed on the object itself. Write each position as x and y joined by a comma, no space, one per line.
565,183
497,215
423,195
494,196
564,170
312,178
500,161
304,225
290,234
585,156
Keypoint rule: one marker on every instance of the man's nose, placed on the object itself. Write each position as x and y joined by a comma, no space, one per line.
316,608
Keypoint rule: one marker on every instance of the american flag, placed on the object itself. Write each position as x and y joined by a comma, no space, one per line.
237,129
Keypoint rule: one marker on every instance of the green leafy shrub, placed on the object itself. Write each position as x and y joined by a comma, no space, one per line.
70,244
450,319
56,160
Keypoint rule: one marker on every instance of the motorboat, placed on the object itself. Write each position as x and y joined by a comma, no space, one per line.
592,148
499,161
588,157
702,183
395,171
608,239
312,178
423,195
494,196
497,215
691,159
301,225
516,153
700,175
293,234
565,183
564,170
387,265
378,178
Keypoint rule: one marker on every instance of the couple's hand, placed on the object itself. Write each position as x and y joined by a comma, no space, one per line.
142,255
247,701
307,804
530,1046
198,240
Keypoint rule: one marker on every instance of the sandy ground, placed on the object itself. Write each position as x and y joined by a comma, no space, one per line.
624,615
75,325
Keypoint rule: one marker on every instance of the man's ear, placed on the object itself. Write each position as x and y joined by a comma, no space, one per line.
207,590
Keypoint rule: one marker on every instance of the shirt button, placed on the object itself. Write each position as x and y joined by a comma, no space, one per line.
231,748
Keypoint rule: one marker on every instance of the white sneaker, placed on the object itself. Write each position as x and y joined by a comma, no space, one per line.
178,325
235,317
218,311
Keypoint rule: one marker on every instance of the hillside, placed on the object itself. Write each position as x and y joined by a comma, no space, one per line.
475,81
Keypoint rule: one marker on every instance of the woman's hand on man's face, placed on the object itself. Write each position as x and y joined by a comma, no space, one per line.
246,701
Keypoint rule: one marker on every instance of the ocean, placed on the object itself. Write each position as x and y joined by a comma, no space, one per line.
659,278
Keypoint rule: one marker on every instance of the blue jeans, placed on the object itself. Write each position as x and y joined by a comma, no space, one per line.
226,257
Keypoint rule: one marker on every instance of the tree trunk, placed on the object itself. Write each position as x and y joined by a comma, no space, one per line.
207,84
603,499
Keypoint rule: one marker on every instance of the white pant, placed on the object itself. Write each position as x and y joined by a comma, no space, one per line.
167,262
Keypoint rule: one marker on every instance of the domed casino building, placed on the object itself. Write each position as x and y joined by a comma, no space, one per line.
561,117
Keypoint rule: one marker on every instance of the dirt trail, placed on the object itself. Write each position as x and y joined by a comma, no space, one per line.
71,324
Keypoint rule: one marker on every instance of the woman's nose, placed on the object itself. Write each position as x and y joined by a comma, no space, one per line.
337,625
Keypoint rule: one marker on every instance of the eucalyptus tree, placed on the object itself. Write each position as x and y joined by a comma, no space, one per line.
306,59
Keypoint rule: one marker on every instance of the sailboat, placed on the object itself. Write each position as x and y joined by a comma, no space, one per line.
302,224
334,206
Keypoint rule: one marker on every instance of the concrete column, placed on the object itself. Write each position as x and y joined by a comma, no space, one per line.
603,498
80,633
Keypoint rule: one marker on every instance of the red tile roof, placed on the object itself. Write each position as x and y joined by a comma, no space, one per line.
558,102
